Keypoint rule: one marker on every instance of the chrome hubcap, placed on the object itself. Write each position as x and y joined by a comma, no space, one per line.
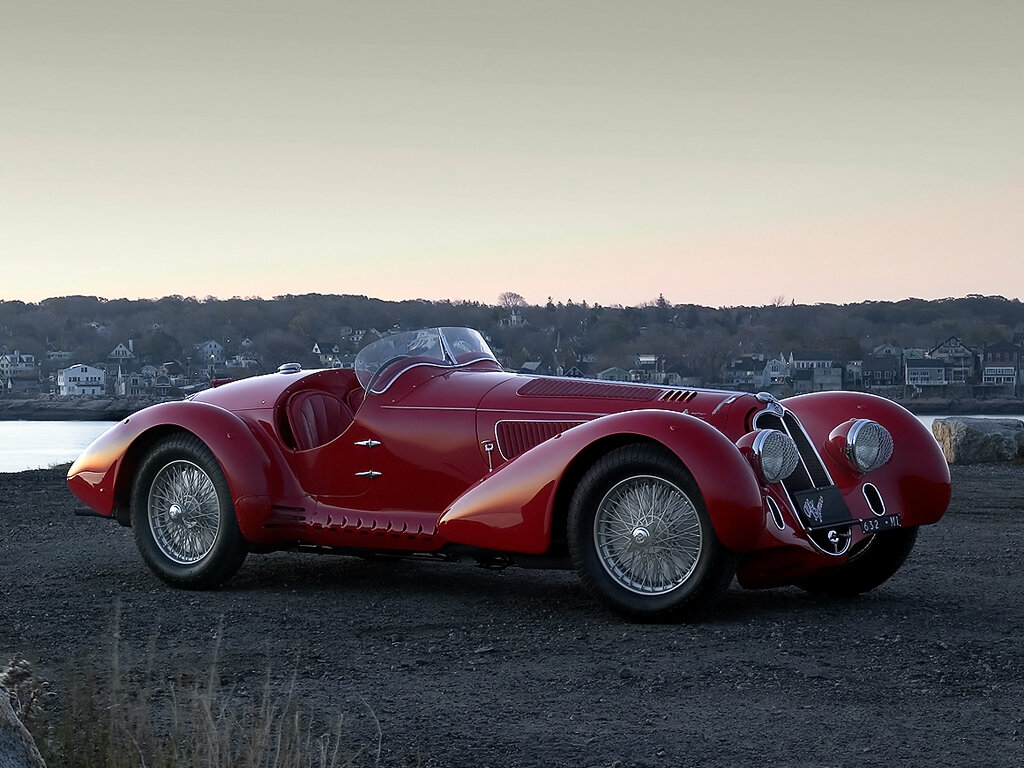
184,512
648,535
641,536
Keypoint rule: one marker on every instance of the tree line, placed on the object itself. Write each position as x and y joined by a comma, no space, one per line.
557,333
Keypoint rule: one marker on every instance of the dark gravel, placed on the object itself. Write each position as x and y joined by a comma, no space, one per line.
463,666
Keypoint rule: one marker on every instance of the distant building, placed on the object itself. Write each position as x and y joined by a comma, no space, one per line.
210,354
887,350
122,354
243,361
882,371
824,375
614,374
130,384
926,372
800,359
744,371
17,365
58,355
81,380
533,367
957,356
776,371
330,353
1001,369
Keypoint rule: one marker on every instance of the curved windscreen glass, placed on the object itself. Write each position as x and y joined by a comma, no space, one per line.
380,363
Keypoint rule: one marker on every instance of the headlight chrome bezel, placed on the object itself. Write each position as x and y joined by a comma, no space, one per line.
776,453
869,445
865,444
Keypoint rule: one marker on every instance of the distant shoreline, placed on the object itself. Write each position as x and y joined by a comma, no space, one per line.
74,409
117,408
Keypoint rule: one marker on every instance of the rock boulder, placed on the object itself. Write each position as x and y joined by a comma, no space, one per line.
974,440
17,749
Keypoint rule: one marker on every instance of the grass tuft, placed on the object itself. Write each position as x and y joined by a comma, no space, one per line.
113,716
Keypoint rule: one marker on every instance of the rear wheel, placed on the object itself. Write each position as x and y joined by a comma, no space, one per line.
871,563
183,517
641,539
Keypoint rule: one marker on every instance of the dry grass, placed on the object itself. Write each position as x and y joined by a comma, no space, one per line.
114,717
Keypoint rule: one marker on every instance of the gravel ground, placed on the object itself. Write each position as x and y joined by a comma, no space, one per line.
463,666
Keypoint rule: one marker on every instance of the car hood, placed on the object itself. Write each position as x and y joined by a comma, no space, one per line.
589,398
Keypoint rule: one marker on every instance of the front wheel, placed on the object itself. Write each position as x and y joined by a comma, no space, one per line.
183,517
641,538
871,563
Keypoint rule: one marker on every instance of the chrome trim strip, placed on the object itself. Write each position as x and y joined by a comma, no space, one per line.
806,437
727,401
368,443
879,503
776,513
368,473
785,424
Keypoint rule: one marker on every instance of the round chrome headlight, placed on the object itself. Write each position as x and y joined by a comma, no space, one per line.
777,454
868,445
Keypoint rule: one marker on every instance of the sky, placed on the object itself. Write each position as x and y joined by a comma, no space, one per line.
722,154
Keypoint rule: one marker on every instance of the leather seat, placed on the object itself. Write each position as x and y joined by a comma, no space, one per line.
316,418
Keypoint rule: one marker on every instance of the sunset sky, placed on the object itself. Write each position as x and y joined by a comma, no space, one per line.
717,153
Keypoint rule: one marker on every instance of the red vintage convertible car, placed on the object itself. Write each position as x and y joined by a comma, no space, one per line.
658,496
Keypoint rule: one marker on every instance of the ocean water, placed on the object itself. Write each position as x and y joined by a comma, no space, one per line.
41,444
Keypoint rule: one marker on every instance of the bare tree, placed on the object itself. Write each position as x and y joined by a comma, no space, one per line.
509,300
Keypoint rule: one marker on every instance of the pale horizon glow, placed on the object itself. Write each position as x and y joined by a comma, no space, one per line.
718,154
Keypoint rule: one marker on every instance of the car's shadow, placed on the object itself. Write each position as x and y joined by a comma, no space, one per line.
432,583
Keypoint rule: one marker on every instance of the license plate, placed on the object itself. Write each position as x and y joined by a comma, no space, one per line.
822,508
874,525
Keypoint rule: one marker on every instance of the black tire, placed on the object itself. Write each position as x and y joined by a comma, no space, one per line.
641,539
183,517
873,562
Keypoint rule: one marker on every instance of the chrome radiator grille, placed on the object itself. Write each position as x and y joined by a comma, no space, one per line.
810,472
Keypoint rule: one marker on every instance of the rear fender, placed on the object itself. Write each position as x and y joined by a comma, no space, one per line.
513,508
102,476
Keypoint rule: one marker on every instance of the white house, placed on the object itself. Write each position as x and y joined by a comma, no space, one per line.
16,364
81,380
776,371
130,384
210,353
123,354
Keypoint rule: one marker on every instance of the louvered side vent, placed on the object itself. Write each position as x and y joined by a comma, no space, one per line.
810,473
554,387
678,396
516,437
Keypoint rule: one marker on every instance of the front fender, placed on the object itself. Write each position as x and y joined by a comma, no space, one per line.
513,508
916,478
102,476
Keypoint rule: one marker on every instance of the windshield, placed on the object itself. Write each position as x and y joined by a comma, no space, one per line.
381,362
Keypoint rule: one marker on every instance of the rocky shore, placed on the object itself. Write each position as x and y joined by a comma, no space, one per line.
967,405
54,408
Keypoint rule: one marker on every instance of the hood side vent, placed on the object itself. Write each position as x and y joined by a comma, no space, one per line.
678,396
554,387
516,437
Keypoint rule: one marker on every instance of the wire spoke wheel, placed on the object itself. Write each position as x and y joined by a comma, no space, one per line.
648,535
183,516
641,539
184,512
